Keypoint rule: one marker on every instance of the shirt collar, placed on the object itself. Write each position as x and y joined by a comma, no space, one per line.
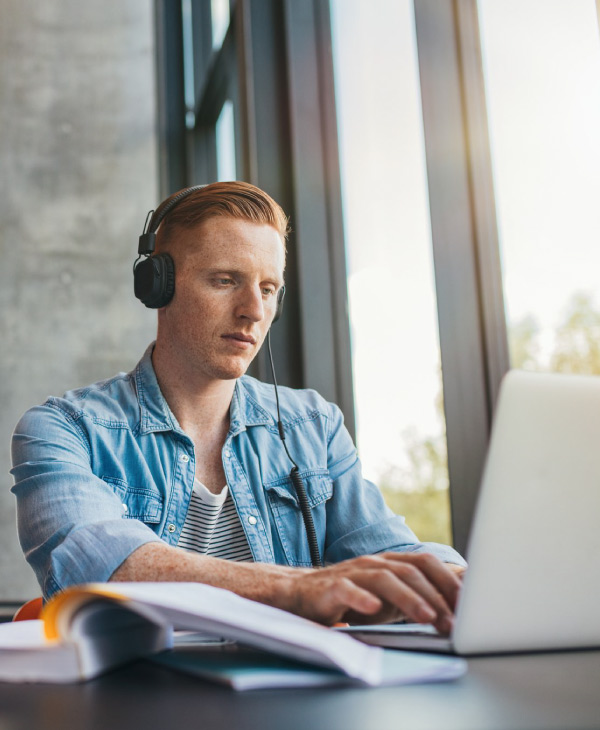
244,410
156,415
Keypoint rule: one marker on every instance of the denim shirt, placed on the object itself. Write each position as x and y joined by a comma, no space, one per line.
107,468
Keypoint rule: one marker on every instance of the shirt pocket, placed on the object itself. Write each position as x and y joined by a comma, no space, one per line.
287,516
139,503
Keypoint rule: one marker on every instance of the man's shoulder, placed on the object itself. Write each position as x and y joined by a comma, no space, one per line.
294,403
112,400
107,393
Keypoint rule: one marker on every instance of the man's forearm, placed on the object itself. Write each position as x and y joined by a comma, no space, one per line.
272,584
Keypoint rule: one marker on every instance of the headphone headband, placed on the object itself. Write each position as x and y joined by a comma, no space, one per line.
147,241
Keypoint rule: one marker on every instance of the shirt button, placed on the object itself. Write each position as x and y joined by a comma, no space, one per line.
228,453
184,457
252,520
171,527
125,508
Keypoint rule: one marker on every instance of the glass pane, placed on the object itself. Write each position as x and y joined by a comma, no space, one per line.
189,83
396,358
542,74
226,143
219,13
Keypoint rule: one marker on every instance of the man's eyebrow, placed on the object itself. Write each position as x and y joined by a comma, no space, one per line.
275,279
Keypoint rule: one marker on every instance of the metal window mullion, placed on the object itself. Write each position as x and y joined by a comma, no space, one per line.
457,275
202,42
172,156
483,203
336,237
307,65
247,107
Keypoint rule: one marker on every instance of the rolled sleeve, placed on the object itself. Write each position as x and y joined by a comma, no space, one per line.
71,524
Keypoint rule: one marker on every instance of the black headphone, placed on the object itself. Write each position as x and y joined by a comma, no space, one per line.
154,275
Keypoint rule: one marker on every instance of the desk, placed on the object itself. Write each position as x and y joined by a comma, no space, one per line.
558,691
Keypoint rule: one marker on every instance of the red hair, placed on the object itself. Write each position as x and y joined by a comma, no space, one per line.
227,199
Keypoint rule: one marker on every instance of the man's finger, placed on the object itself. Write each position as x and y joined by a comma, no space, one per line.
328,599
410,596
412,576
437,573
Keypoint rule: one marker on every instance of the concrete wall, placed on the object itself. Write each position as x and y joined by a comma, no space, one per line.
77,176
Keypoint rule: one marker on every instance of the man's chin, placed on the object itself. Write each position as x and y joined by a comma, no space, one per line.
231,370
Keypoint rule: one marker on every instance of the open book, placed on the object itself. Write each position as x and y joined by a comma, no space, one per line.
89,629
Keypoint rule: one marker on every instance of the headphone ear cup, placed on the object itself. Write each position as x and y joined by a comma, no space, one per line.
154,280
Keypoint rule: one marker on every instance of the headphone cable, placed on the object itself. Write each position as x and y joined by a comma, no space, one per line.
297,480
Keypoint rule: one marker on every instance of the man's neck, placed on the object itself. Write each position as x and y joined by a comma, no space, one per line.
201,406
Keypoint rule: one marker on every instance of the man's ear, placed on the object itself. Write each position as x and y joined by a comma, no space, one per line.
279,310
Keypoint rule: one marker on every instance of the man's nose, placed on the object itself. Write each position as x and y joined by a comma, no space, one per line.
251,304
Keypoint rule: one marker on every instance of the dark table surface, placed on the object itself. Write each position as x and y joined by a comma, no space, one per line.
559,690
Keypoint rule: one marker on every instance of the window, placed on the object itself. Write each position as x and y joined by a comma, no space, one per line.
394,329
225,133
542,73
219,11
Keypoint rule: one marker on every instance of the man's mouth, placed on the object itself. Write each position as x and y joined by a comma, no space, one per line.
239,338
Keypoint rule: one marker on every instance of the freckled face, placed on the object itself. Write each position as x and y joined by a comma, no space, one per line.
227,275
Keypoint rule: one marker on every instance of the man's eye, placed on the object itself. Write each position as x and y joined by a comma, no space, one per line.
268,291
225,281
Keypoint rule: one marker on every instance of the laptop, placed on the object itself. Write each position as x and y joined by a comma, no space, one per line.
533,582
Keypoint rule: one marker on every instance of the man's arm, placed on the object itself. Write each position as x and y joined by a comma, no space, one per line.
71,523
366,589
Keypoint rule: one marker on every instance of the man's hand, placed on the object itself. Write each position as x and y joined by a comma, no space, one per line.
379,588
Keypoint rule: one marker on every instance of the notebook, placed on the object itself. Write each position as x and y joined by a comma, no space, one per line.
533,581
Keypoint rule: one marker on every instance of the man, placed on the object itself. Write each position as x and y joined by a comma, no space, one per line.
135,478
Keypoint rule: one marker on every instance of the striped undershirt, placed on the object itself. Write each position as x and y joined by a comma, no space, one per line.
212,526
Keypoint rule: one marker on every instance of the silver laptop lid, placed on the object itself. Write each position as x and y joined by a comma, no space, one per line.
534,551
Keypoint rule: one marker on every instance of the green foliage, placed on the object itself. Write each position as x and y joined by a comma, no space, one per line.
427,511
420,492
576,347
523,344
577,344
